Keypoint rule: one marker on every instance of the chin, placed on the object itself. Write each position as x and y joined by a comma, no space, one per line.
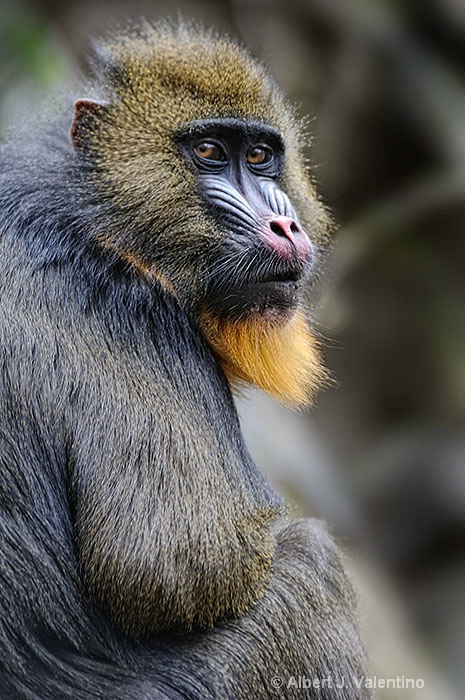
271,301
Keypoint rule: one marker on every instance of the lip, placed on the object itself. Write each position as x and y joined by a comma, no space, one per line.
272,287
279,273
288,277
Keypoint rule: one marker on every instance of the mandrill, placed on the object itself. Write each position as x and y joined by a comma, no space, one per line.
154,249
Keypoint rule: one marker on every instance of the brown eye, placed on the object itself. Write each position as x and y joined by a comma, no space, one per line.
259,155
207,150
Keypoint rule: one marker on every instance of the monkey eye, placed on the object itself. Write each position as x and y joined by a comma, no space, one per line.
210,152
260,155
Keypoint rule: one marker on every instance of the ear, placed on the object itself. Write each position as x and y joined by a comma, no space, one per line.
86,115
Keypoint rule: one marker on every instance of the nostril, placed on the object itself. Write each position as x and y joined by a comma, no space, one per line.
285,227
277,228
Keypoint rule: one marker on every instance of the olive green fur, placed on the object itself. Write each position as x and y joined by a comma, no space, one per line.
142,554
152,82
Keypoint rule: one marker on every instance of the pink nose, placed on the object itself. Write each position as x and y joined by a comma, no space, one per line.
285,226
286,236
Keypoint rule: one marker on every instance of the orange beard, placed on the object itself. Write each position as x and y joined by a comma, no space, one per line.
280,358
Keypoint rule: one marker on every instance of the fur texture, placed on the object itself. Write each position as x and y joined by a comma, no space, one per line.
142,555
280,358
153,83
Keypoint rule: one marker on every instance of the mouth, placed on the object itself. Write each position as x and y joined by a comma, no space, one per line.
271,289
285,277
268,298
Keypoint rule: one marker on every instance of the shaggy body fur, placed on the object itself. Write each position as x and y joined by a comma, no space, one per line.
142,553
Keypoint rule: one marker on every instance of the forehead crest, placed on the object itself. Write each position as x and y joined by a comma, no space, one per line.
193,69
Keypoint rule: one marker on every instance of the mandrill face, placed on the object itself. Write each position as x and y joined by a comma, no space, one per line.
265,255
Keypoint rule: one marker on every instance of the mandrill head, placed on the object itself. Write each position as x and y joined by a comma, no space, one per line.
200,157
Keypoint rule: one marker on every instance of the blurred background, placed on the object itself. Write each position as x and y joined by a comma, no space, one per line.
381,457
